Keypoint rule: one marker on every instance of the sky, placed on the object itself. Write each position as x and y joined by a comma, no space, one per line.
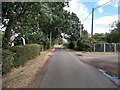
103,16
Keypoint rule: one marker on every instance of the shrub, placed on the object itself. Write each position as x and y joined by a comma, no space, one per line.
83,45
23,53
71,45
65,45
7,61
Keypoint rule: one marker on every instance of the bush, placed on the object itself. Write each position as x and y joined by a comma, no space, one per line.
7,61
83,45
71,45
65,45
23,53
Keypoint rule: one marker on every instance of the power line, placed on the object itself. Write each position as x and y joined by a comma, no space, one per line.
101,5
94,9
87,17
104,4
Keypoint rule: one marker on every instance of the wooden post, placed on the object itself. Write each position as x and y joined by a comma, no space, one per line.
92,28
94,47
92,22
104,47
115,47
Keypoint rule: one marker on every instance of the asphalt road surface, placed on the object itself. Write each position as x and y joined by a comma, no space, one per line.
66,71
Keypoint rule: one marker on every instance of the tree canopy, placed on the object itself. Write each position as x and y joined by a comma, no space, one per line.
38,21
112,37
35,21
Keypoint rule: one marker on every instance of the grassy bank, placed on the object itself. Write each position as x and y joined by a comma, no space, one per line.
22,77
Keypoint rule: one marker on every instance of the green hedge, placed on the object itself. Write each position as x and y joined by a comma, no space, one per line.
7,61
23,53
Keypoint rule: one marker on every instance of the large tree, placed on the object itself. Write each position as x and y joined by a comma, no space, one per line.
36,21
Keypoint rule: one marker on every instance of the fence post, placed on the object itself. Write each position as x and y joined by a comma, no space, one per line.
94,47
115,47
104,47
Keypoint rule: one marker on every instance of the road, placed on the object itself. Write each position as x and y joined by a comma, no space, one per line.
66,71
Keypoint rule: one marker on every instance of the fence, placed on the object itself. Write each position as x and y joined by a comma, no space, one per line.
106,47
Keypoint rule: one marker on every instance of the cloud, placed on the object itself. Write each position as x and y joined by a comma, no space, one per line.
101,25
110,2
100,10
115,4
101,2
106,19
78,8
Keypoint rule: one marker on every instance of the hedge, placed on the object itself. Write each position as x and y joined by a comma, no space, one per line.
23,53
7,61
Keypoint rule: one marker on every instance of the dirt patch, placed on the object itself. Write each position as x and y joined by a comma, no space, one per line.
23,76
108,62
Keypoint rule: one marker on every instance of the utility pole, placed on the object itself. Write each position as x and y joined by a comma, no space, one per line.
92,22
92,29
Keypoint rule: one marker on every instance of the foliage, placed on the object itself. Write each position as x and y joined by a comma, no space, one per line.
71,45
114,35
41,19
59,41
36,20
80,43
83,45
99,38
7,61
0,38
25,53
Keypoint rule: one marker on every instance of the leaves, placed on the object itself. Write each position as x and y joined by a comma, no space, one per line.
36,21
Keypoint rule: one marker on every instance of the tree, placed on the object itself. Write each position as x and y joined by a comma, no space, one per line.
29,19
12,12
35,21
99,38
114,35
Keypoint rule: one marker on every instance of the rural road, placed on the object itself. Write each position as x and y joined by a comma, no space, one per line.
66,71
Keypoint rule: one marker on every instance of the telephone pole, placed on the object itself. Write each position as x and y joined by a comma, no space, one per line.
92,29
92,22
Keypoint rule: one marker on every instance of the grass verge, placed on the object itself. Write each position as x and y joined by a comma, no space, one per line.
23,76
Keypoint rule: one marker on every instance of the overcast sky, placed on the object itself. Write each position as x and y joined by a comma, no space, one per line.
103,16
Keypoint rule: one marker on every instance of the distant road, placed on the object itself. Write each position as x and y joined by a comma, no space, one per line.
67,71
